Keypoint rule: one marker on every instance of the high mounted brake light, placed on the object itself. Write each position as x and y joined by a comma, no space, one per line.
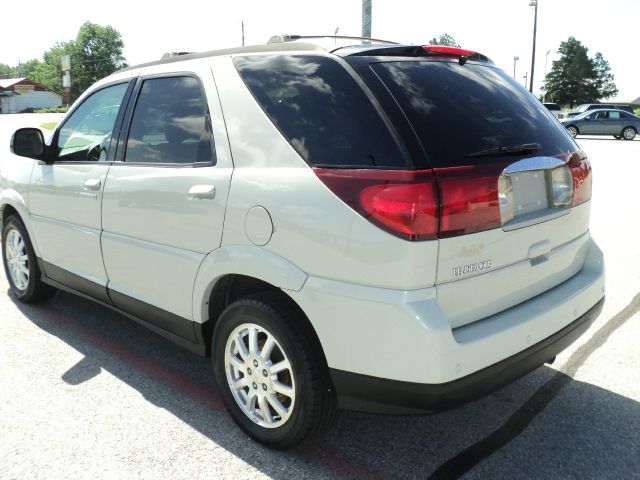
449,51
461,54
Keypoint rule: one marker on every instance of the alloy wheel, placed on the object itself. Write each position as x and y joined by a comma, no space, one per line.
17,259
260,375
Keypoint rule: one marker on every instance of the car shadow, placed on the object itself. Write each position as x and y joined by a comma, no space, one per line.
605,137
586,432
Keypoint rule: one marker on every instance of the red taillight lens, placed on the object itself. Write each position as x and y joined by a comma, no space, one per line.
469,198
410,210
581,172
404,203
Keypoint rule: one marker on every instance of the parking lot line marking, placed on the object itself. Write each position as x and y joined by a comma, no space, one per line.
328,459
464,461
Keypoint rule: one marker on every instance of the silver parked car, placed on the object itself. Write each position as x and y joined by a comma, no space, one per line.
618,123
315,222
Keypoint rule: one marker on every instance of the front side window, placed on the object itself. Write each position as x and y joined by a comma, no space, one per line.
86,134
170,124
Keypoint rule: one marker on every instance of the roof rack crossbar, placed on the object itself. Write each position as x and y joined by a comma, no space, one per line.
290,38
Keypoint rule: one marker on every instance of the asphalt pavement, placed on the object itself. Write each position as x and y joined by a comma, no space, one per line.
86,393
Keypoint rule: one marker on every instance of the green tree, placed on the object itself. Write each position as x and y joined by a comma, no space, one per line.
7,71
575,78
30,69
444,39
95,53
604,77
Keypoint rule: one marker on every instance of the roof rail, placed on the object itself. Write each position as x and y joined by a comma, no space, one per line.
290,38
173,54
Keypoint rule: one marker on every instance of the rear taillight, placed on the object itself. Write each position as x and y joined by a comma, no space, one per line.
446,202
404,203
581,173
469,198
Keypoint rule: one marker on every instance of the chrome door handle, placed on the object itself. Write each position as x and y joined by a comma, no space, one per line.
92,184
202,191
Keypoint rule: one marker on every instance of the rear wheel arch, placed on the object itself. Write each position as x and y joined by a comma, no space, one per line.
231,287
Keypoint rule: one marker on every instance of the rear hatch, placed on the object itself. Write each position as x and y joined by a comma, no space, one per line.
512,186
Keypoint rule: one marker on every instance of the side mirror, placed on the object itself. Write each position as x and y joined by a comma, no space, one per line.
28,142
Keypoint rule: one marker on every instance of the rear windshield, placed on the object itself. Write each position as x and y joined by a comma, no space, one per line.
321,110
457,110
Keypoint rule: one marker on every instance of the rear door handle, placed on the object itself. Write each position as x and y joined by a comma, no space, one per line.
92,184
202,192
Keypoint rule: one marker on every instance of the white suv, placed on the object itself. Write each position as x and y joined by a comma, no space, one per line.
384,228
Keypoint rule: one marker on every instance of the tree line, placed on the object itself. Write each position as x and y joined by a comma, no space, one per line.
95,53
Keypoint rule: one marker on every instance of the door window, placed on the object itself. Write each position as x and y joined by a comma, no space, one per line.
614,115
171,124
86,134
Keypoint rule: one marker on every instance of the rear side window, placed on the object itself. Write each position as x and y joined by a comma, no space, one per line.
170,124
321,110
457,110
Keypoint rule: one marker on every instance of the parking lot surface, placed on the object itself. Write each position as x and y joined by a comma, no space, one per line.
86,393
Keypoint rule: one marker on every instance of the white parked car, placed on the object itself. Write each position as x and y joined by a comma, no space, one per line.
385,228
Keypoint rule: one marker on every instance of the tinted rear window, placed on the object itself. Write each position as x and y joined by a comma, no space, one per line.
321,110
460,109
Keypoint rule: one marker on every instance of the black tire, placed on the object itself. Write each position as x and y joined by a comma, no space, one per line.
35,290
314,408
573,130
617,137
629,133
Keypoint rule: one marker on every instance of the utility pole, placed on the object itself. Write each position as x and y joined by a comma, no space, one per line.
546,57
526,74
533,3
515,60
366,18
243,33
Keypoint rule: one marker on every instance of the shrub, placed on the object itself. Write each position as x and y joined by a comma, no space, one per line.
51,110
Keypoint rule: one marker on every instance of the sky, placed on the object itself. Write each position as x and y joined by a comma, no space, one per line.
500,29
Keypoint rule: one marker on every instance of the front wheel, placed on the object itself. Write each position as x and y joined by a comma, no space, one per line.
629,133
271,375
573,131
20,263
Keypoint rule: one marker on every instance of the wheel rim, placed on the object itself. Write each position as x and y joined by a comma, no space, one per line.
629,133
572,131
17,259
260,375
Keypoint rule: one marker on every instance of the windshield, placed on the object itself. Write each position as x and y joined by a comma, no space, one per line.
457,110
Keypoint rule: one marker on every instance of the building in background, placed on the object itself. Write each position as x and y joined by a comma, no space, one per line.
19,94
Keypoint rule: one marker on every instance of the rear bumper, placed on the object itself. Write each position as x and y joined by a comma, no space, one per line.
379,395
